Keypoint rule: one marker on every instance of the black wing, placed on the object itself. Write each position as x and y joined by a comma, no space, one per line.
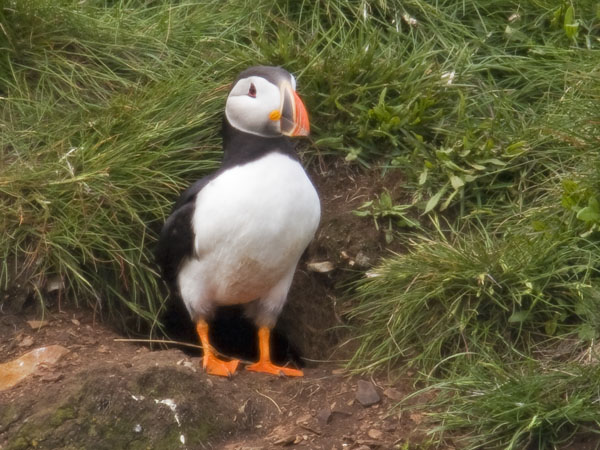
176,241
189,195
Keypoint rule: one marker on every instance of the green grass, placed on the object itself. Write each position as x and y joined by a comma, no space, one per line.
516,406
447,300
101,126
488,108
503,273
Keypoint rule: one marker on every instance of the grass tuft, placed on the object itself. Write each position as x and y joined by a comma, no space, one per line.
446,299
496,296
517,406
101,127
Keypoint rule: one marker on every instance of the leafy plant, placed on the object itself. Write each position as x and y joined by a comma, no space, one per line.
581,198
384,210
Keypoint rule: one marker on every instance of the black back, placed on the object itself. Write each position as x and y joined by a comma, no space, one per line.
176,241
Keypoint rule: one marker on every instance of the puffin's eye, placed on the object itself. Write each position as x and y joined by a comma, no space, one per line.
252,90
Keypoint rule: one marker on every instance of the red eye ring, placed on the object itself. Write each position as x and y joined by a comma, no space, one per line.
252,91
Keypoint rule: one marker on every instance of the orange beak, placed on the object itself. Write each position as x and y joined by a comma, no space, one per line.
302,127
294,118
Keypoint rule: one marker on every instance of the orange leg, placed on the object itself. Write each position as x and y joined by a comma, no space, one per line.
264,363
210,362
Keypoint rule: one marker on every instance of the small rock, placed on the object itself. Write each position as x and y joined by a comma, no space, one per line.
287,440
324,416
393,394
55,283
389,427
37,324
187,364
89,341
282,436
320,266
303,419
375,434
16,370
416,417
362,260
366,393
340,409
52,377
26,342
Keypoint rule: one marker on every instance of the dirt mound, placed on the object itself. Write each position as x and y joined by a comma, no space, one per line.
106,394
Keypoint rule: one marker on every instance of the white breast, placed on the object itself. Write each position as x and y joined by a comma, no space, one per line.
251,225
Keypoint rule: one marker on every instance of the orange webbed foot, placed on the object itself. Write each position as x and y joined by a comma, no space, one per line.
269,367
212,364
264,363
216,366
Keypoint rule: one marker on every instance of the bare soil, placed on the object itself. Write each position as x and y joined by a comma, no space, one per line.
106,394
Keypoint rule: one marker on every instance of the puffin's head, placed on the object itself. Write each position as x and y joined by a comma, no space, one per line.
263,102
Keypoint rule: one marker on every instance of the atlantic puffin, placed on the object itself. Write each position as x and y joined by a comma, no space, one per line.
236,236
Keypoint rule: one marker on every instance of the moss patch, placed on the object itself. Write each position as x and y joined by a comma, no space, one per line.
119,409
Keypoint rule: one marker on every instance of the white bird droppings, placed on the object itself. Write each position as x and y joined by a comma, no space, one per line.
448,77
410,20
173,407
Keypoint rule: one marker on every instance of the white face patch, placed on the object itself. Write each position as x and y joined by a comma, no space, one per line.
249,104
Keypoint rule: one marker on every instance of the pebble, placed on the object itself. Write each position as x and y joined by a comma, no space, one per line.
393,394
324,416
366,394
375,434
